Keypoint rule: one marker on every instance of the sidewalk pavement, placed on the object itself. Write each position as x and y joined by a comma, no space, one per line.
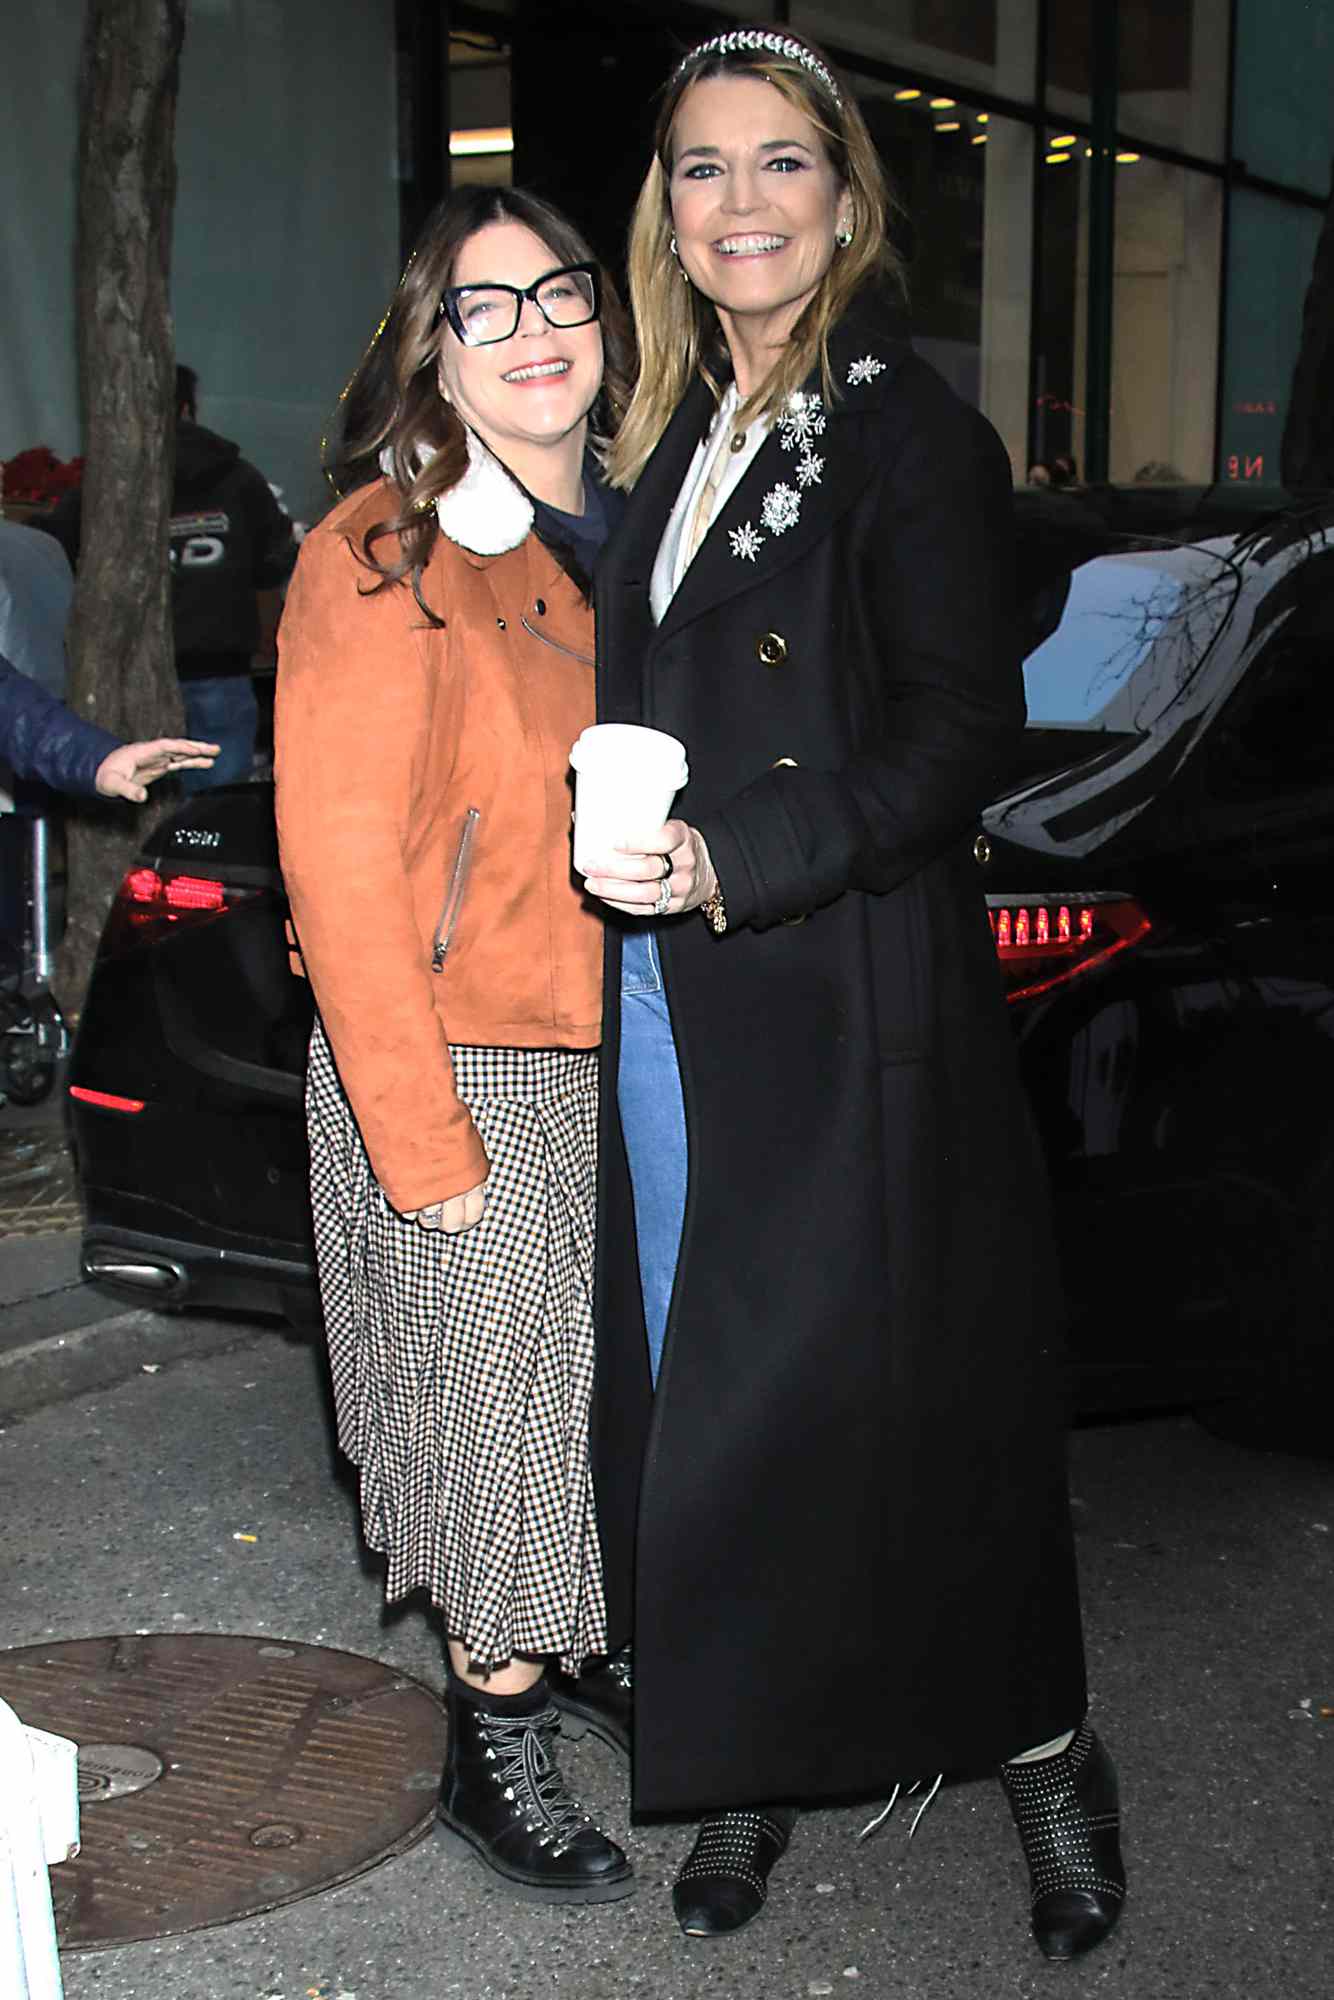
59,1335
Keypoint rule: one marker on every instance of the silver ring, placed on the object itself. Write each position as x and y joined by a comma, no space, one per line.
666,861
664,897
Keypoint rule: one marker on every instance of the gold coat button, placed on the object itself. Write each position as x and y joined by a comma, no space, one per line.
772,648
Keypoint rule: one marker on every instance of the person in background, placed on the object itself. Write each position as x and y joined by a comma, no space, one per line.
43,740
36,590
435,666
835,1491
231,543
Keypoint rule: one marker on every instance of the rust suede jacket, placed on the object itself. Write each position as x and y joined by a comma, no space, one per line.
424,800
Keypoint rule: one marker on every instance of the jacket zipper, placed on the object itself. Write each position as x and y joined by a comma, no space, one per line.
458,882
584,659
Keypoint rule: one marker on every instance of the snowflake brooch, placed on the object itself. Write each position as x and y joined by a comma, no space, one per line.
803,420
864,370
781,509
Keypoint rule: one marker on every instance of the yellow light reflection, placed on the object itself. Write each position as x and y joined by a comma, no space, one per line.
482,139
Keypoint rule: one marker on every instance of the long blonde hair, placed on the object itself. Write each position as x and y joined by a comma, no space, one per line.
678,330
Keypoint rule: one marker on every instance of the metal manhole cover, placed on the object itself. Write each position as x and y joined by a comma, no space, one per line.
110,1770
284,1769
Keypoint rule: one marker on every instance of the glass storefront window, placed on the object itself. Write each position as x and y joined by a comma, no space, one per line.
964,180
1165,324
1171,70
1271,251
988,43
1285,86
481,137
1059,305
1168,224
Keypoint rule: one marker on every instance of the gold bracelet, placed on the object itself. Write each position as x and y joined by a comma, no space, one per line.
714,911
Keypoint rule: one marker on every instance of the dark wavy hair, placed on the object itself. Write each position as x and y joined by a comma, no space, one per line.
393,400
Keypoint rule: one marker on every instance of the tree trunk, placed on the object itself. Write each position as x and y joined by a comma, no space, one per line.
122,668
1307,456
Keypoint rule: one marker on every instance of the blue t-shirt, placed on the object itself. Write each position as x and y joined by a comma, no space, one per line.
583,534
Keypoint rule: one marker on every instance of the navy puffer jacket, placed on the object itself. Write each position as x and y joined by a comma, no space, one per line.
41,738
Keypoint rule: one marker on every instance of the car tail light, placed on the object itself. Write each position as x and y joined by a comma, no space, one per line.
150,905
105,1100
1044,940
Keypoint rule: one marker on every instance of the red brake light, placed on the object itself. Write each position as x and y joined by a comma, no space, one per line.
150,905
105,1100
141,885
1044,940
193,892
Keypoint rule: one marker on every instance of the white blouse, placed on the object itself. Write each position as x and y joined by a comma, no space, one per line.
720,462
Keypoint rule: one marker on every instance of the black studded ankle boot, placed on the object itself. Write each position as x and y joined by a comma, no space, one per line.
503,1794
1067,1813
724,1880
599,1701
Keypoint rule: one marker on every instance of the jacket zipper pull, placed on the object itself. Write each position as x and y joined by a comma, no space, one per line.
458,882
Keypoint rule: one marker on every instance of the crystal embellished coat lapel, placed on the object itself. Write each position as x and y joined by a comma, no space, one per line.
815,462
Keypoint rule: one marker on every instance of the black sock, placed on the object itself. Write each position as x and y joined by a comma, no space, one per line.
528,1703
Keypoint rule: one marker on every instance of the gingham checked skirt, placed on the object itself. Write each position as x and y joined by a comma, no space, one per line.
463,1365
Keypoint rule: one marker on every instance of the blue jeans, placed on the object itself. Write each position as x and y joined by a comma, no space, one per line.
221,710
653,1123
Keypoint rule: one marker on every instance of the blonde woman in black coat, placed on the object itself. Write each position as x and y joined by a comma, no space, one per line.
844,1549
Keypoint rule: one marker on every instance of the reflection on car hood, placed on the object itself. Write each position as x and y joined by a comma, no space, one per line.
1149,647
1133,631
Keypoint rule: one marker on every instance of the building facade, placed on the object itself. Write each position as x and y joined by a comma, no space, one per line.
1109,208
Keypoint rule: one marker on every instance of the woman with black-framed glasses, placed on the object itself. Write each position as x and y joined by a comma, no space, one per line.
436,663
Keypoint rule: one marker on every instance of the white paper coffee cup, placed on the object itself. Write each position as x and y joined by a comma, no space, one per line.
626,777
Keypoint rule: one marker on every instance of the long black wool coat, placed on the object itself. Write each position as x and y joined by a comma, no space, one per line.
840,1531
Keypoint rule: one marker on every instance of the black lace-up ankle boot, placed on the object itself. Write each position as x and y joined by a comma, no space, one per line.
504,1795
599,1701
1066,1810
724,1880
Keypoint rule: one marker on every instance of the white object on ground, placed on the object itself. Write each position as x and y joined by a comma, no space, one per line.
39,1825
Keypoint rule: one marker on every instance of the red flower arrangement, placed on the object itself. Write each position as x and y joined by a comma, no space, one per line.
38,477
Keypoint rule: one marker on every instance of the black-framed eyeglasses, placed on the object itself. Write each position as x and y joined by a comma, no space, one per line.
481,314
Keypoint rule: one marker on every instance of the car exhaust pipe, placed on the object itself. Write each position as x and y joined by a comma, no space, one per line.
161,1279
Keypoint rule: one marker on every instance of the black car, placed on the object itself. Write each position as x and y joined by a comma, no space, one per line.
1161,887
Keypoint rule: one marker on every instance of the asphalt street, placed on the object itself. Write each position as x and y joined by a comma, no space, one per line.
1207,1574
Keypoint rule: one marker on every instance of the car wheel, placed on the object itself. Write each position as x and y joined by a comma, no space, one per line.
27,1081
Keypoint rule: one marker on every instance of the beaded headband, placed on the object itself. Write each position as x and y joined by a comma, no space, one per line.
741,40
